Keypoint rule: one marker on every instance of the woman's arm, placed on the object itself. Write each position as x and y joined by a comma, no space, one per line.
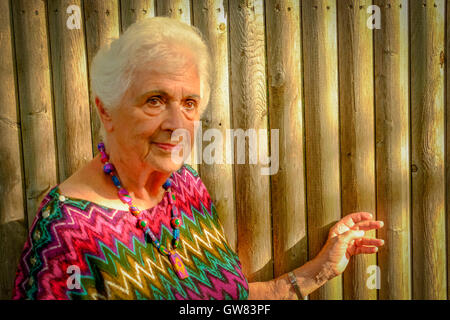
310,276
345,239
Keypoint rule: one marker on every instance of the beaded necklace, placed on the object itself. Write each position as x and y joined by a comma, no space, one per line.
175,221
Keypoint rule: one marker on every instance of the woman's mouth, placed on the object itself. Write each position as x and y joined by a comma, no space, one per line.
167,146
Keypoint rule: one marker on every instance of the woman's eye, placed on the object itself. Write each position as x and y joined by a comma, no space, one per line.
154,101
191,104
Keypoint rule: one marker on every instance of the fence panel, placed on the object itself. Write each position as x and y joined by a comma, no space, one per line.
348,97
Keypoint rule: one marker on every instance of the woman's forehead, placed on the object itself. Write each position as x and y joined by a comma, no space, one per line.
168,83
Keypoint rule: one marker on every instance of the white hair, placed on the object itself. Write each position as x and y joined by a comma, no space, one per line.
144,43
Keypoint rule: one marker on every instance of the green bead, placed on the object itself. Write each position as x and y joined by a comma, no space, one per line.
173,196
142,223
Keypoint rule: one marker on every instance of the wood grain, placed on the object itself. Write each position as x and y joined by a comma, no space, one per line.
177,9
35,100
135,10
392,149
444,59
70,89
13,220
288,199
322,129
427,22
356,104
249,111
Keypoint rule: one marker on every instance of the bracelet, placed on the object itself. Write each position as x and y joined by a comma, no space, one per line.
293,281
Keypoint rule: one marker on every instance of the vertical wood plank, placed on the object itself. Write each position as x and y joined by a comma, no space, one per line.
70,86
322,129
177,9
447,140
249,111
135,10
356,103
35,99
102,25
392,148
427,22
13,221
286,115
210,17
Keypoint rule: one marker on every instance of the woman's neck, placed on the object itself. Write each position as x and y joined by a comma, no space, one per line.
143,184
144,188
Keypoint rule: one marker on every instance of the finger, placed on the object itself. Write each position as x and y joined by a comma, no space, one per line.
348,222
351,219
369,242
367,250
350,235
368,225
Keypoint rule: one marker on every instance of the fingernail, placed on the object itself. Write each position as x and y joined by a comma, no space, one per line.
381,223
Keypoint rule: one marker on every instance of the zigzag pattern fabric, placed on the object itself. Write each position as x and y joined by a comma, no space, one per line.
71,237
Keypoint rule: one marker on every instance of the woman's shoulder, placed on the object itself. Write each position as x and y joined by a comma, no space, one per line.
187,178
41,260
186,182
193,197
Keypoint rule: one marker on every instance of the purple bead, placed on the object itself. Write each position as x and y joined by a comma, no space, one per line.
126,199
174,212
104,158
124,196
108,168
101,146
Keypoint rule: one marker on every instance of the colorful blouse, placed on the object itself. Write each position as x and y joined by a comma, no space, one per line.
77,249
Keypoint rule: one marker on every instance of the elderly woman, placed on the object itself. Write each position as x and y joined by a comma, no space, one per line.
133,223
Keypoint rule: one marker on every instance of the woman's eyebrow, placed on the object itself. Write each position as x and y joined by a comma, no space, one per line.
165,94
160,92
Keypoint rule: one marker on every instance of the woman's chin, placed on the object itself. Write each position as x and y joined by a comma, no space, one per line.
165,164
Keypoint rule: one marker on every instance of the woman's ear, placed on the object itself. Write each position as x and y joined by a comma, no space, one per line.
105,116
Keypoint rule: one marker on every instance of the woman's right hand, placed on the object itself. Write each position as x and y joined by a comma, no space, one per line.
346,239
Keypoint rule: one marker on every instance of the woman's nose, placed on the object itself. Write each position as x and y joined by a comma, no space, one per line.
174,118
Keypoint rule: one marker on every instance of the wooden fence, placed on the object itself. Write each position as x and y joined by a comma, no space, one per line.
360,108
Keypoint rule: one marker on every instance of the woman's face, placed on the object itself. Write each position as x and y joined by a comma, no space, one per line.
155,105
